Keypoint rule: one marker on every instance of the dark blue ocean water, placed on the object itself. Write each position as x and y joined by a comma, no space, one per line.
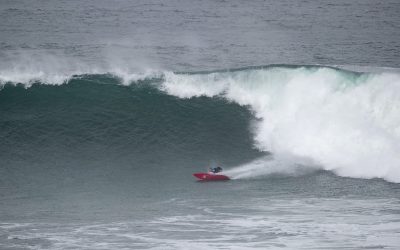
108,107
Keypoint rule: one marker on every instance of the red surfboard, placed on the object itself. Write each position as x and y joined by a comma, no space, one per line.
211,177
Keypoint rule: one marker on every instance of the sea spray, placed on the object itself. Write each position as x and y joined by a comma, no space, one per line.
342,121
26,68
282,165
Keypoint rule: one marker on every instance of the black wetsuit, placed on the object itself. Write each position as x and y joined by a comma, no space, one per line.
216,170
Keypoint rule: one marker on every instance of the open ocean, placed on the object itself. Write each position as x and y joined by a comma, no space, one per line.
107,108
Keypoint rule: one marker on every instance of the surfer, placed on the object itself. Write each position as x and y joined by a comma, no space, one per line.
213,174
215,170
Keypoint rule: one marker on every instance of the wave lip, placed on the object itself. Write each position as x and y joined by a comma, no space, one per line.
345,122
27,68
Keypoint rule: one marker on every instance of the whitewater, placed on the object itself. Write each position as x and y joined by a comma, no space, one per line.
107,108
345,122
322,117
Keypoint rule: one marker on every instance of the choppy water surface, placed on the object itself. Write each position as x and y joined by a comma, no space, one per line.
271,213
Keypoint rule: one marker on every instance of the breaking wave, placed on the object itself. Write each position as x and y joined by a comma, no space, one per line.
331,119
345,122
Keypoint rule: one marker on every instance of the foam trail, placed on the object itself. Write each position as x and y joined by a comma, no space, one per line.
345,122
269,165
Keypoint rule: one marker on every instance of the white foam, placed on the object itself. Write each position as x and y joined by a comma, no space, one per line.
346,123
286,165
27,67
272,222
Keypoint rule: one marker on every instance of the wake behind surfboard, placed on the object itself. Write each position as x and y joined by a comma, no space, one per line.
211,177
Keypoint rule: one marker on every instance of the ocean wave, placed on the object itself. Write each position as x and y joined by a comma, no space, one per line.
333,119
345,122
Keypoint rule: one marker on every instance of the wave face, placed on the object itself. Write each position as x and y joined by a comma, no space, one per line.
94,129
320,117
